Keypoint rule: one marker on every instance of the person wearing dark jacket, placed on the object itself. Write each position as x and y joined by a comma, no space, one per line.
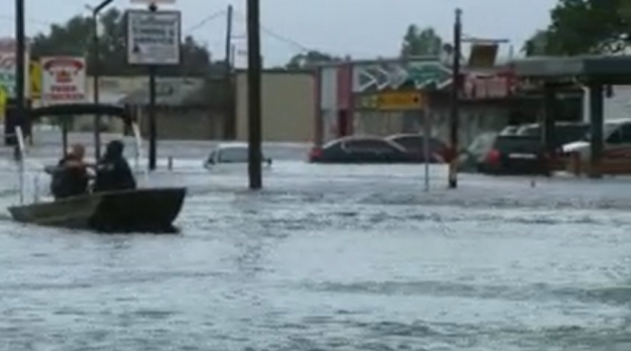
113,171
70,177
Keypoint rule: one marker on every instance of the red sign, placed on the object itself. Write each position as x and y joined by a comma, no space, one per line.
63,79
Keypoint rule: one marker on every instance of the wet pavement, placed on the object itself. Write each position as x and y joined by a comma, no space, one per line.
330,258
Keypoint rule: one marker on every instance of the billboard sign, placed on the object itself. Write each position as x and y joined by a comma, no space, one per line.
153,37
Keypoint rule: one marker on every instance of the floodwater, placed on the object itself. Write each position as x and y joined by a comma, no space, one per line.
330,258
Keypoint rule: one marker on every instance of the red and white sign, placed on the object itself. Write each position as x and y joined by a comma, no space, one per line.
63,79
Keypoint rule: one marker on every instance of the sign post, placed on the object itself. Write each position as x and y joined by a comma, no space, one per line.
153,40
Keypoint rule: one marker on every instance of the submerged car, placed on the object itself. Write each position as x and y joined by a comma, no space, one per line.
360,149
231,154
564,133
506,155
415,144
616,150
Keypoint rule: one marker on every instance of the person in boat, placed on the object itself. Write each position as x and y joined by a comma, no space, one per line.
70,177
113,172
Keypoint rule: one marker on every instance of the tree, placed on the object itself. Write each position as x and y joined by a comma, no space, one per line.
417,42
538,44
74,37
310,59
588,26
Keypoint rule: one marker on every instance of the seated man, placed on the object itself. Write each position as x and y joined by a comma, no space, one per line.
70,177
113,172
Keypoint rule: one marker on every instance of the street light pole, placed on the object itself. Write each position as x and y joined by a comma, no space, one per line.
96,73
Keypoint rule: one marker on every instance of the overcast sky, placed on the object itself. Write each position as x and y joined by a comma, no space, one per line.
360,28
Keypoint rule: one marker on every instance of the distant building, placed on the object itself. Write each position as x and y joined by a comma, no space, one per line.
289,102
187,108
213,109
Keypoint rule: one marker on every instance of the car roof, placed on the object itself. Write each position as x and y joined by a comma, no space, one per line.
403,135
361,137
232,145
556,124
411,135
355,137
616,121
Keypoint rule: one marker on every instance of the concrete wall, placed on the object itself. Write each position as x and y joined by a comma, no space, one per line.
288,106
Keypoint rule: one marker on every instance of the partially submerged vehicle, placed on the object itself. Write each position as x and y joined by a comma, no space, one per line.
497,154
150,210
616,150
360,149
415,145
231,154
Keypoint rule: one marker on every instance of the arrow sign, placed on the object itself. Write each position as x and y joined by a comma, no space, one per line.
400,100
423,74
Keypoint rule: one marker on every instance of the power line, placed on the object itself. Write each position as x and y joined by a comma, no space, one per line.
30,20
206,20
279,37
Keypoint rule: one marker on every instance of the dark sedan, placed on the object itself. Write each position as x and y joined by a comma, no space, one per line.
360,150
414,144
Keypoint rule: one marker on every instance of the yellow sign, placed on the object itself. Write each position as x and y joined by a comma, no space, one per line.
3,102
35,79
400,100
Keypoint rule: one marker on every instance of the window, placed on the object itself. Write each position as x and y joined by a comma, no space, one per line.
482,143
621,135
233,155
370,145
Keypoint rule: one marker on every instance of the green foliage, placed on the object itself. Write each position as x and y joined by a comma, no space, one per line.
421,42
310,59
584,27
75,37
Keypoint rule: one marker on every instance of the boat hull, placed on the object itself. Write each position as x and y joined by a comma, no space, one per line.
142,210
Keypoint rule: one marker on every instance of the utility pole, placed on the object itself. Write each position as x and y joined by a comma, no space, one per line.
254,95
454,121
230,125
153,128
20,57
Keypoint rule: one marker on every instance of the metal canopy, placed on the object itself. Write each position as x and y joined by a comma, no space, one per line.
602,67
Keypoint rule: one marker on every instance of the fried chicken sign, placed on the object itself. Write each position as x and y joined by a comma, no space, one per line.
63,79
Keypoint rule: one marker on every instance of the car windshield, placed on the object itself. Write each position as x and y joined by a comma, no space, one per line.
608,129
481,143
233,154
417,143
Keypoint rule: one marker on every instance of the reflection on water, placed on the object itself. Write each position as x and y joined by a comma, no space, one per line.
331,258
